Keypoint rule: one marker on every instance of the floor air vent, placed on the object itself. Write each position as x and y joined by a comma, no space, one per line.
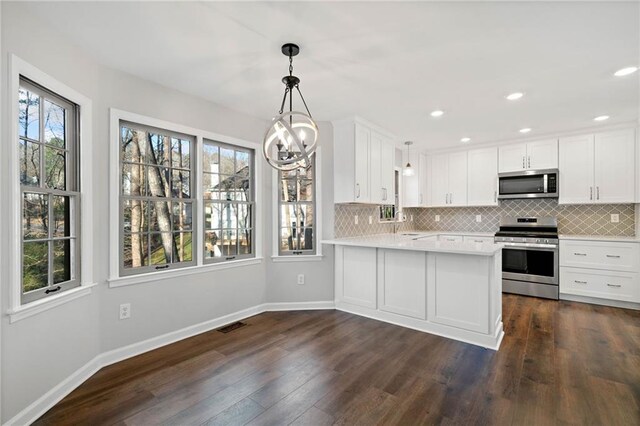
229,328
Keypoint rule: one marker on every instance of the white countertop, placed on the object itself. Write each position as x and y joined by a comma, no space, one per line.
611,238
415,243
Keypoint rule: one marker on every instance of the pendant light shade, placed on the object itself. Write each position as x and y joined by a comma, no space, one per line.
291,139
408,170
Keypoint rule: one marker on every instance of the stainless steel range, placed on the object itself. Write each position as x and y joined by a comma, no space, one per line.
530,256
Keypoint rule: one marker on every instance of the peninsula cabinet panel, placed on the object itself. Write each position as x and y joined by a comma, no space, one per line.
402,282
358,276
458,296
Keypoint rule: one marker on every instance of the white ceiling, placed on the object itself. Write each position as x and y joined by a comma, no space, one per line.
391,63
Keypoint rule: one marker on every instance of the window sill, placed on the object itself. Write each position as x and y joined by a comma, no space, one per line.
165,275
298,258
42,305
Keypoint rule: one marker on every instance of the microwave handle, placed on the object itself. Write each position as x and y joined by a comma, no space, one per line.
545,182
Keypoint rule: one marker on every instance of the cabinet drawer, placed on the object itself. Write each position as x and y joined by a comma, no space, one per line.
451,238
603,284
600,255
471,239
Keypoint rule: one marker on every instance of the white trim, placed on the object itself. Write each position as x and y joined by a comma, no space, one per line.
66,386
275,216
181,272
298,258
42,305
598,301
18,67
115,115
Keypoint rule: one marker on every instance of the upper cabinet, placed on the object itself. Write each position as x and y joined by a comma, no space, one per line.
482,172
448,180
537,155
598,169
363,164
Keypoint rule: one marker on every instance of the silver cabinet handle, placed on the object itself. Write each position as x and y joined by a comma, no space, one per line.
579,254
450,198
382,194
358,188
614,285
613,256
598,192
579,282
420,198
591,192
478,241
495,196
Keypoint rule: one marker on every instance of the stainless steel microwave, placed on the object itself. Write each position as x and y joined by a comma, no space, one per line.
528,184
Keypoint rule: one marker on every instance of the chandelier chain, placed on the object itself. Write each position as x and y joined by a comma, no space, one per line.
290,64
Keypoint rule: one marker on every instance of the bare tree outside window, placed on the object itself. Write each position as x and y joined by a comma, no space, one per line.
296,210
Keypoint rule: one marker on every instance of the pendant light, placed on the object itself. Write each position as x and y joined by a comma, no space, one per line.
291,139
408,170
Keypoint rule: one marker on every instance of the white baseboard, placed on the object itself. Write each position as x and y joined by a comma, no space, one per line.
603,302
65,387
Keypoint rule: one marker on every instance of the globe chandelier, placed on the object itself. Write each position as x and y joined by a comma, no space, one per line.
291,139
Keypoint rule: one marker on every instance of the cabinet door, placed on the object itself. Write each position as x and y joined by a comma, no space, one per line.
402,282
482,176
357,276
511,158
388,181
362,136
439,180
423,183
375,169
458,179
542,155
576,170
615,166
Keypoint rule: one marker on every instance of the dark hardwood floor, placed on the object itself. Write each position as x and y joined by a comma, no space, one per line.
560,363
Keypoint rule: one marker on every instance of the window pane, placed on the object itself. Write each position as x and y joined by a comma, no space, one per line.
135,250
244,241
227,187
29,163
160,248
35,216
61,212
160,218
242,189
227,161
159,148
35,265
242,162
229,216
212,216
210,159
54,124
29,114
136,215
288,190
134,180
133,145
212,244
182,216
61,261
306,190
182,247
210,186
288,216
54,164
244,215
180,153
306,238
229,242
306,214
287,240
181,184
158,181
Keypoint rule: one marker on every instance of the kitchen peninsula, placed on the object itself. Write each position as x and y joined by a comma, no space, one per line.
449,288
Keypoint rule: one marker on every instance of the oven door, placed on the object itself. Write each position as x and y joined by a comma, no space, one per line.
536,263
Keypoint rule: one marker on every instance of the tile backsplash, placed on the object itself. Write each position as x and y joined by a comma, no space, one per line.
585,219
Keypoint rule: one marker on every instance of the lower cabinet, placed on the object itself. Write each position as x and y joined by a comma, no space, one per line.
623,286
357,265
402,282
451,238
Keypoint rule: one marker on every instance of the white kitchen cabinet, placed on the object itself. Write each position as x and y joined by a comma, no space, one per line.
482,176
606,255
598,169
358,276
387,172
476,239
362,167
448,183
536,155
451,238
402,282
414,187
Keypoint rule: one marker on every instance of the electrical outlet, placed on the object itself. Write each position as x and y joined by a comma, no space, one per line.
615,218
300,279
478,218
437,218
355,219
370,220
125,311
411,218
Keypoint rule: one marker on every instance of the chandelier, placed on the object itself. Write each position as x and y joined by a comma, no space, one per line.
291,139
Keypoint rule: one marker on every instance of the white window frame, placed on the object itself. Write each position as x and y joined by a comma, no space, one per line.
118,280
275,201
17,310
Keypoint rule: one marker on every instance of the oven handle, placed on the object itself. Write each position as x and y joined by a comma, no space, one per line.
542,247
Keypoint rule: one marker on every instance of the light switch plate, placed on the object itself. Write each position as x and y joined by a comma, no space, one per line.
615,218
437,218
370,220
478,218
355,219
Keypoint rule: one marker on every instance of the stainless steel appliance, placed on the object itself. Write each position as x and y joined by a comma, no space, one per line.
530,256
528,184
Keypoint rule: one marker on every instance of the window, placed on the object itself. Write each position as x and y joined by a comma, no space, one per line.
296,211
227,180
48,171
156,199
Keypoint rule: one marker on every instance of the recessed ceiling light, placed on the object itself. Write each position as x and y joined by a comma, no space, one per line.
525,130
625,71
437,113
514,96
601,118
465,140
